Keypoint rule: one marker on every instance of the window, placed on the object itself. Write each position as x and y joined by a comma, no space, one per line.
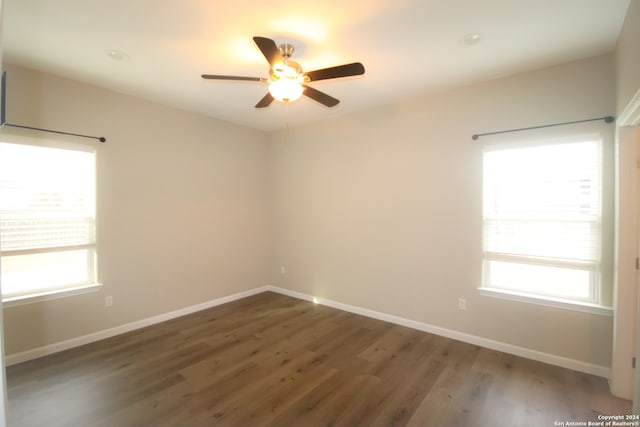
47,219
542,220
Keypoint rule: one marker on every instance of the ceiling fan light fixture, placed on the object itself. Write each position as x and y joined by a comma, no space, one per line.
286,89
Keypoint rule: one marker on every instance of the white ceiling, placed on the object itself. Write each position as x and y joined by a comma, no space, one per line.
408,47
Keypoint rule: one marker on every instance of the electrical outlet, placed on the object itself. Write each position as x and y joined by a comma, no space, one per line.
462,304
108,301
283,270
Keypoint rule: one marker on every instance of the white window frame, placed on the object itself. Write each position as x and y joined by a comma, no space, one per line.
591,303
48,293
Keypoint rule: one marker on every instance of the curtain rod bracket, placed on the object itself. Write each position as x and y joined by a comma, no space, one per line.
607,119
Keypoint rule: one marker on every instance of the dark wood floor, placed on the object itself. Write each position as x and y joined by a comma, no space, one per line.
271,360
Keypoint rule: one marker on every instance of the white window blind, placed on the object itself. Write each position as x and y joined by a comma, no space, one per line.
542,219
47,219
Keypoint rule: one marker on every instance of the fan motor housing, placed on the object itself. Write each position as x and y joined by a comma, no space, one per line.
286,70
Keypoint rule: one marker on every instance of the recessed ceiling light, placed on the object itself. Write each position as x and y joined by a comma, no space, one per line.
471,39
117,55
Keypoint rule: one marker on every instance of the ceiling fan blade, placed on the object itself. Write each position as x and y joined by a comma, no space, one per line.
269,49
353,69
321,97
242,78
265,102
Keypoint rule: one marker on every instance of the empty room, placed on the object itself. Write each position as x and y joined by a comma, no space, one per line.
408,213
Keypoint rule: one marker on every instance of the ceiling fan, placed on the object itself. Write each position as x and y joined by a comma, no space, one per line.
287,81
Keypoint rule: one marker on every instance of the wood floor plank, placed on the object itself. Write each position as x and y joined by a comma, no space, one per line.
272,360
276,392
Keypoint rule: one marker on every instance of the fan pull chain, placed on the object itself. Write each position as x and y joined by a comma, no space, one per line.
286,115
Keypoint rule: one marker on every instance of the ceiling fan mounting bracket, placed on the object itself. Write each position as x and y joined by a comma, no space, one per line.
286,50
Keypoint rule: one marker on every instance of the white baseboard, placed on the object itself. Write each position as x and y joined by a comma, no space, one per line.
24,356
577,365
564,362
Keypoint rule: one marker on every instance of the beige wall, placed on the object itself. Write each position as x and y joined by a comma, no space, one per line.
627,57
182,207
628,86
382,209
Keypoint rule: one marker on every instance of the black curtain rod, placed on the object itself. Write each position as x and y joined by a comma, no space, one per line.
99,138
607,119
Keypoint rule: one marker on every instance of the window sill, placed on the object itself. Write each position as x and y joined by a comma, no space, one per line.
50,295
547,301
